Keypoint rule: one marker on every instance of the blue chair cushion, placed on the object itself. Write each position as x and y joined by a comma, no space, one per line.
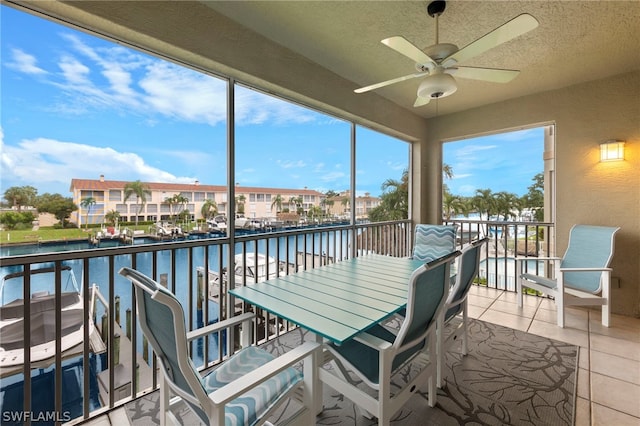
247,408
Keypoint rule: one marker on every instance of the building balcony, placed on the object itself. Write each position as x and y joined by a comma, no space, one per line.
96,382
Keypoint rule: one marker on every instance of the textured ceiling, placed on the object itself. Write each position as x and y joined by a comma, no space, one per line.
576,41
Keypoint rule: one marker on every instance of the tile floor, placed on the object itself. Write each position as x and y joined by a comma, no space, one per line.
609,363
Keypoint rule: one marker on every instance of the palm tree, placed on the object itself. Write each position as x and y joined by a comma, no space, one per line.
452,205
298,200
141,191
240,199
277,202
292,201
181,200
112,217
209,209
87,203
171,201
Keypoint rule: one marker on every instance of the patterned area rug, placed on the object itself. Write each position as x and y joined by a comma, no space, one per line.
508,378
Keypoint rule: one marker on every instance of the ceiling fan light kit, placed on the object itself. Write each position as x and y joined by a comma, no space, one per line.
437,62
437,86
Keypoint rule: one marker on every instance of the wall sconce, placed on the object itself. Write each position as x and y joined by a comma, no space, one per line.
612,150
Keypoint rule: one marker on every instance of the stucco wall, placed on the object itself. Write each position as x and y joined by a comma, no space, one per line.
587,191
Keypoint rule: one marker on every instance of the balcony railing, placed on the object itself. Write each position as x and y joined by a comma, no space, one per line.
113,363
507,240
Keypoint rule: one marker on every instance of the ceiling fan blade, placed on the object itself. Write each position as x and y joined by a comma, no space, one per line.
517,26
388,82
421,102
408,49
493,75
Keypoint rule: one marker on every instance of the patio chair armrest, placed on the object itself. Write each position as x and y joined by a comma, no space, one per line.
241,385
219,326
585,269
372,341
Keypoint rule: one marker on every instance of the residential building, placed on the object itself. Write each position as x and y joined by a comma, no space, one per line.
109,195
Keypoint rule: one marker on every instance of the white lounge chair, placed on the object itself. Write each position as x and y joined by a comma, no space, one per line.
582,275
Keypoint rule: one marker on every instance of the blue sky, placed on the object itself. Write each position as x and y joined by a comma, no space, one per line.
77,106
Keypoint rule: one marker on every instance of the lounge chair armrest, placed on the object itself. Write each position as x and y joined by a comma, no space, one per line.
241,385
524,259
585,269
219,326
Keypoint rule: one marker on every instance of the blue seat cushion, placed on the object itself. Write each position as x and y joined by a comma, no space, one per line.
246,409
367,359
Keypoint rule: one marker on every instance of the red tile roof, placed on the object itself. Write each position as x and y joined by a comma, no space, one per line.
105,185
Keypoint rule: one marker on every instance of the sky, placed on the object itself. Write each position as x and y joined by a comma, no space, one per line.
77,106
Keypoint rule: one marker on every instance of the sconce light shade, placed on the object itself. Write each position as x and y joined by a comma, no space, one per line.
612,150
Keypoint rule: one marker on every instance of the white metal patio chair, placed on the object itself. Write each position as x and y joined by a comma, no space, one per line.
433,241
582,275
456,304
244,390
377,354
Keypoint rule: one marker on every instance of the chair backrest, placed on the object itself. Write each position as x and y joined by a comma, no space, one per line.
428,289
162,321
433,241
589,247
467,271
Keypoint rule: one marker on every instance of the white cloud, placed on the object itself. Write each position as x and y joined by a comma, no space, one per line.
25,63
48,163
116,78
287,164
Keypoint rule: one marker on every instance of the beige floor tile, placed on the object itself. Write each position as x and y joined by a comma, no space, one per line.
480,301
583,412
118,417
616,394
584,359
620,326
512,308
512,297
583,384
620,347
475,311
617,367
604,416
506,320
552,331
572,319
485,291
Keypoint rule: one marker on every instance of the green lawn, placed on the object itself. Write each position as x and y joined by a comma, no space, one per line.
50,234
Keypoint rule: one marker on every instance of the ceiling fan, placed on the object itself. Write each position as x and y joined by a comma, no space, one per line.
439,62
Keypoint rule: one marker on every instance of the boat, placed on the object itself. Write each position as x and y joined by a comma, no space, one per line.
167,229
42,318
217,224
252,272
